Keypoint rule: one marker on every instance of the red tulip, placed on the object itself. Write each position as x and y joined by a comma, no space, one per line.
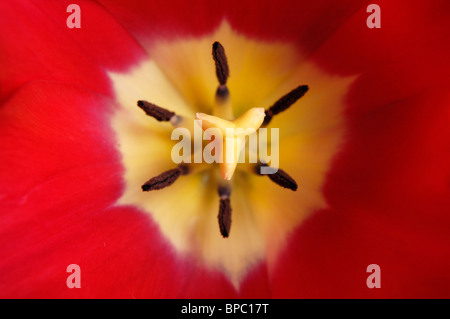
367,146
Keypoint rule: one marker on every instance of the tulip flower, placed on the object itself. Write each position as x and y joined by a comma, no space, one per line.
88,177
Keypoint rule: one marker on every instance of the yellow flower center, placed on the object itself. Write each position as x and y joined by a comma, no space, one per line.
181,77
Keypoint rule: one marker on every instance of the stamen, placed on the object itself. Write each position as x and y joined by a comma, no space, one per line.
220,58
284,180
165,179
224,211
279,177
222,106
285,102
155,111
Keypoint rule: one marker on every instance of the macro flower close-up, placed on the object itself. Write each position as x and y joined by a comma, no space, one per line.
114,183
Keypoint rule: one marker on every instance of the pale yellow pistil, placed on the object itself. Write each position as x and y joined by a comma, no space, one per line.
233,135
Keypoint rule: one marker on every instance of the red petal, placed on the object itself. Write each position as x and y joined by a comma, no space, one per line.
307,22
37,44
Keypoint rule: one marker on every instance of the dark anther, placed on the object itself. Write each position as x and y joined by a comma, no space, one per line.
220,58
284,180
224,216
279,177
285,102
157,112
165,179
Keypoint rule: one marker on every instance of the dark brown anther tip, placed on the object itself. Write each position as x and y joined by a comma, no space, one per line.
224,217
285,102
216,44
159,113
165,179
220,59
278,176
284,180
162,181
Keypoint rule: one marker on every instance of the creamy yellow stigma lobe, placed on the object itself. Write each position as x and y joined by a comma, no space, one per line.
234,134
